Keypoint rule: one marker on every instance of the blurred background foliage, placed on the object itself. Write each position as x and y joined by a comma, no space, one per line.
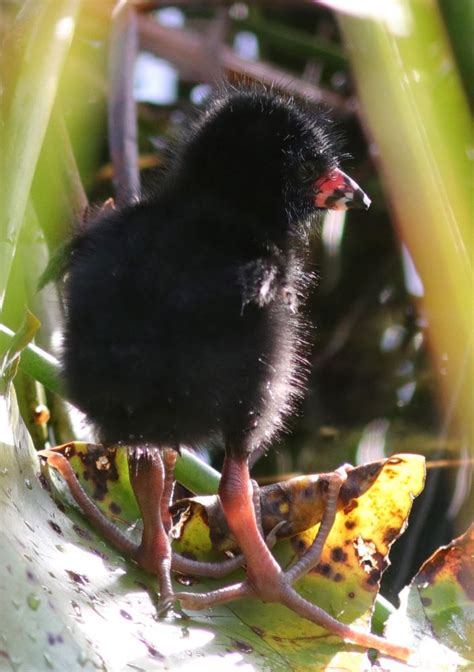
392,358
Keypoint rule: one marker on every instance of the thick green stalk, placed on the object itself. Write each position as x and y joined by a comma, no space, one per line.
50,35
34,361
414,107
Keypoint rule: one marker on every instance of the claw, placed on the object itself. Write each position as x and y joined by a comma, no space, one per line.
165,604
271,538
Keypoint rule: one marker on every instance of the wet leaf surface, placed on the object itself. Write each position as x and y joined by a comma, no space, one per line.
70,602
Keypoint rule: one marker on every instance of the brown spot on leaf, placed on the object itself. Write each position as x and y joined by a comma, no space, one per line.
99,467
338,554
390,534
353,504
350,524
351,595
323,568
350,493
115,508
258,631
430,569
152,651
54,526
426,601
77,578
100,554
243,647
81,532
338,577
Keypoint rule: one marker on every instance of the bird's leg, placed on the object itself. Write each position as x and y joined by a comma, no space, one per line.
147,477
265,579
237,498
109,531
179,563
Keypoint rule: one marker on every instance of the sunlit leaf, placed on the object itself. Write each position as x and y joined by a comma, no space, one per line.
446,586
297,502
436,614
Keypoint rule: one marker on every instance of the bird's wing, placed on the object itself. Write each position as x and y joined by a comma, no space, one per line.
263,281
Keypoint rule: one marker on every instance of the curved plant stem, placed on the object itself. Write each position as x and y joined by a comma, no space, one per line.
122,111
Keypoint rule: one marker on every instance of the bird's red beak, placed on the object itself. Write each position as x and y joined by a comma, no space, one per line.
338,191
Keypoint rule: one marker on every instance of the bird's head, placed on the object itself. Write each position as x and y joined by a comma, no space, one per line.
266,155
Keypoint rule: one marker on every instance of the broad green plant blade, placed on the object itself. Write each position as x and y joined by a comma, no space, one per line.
413,106
50,34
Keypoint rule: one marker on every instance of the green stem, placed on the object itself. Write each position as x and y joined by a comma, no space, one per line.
196,475
34,361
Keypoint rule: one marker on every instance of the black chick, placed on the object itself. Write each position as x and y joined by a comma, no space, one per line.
183,311
184,321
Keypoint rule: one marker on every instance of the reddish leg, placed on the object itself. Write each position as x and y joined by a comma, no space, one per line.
237,498
147,476
152,482
265,579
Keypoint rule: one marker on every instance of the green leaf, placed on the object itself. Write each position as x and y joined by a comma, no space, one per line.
436,614
445,583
